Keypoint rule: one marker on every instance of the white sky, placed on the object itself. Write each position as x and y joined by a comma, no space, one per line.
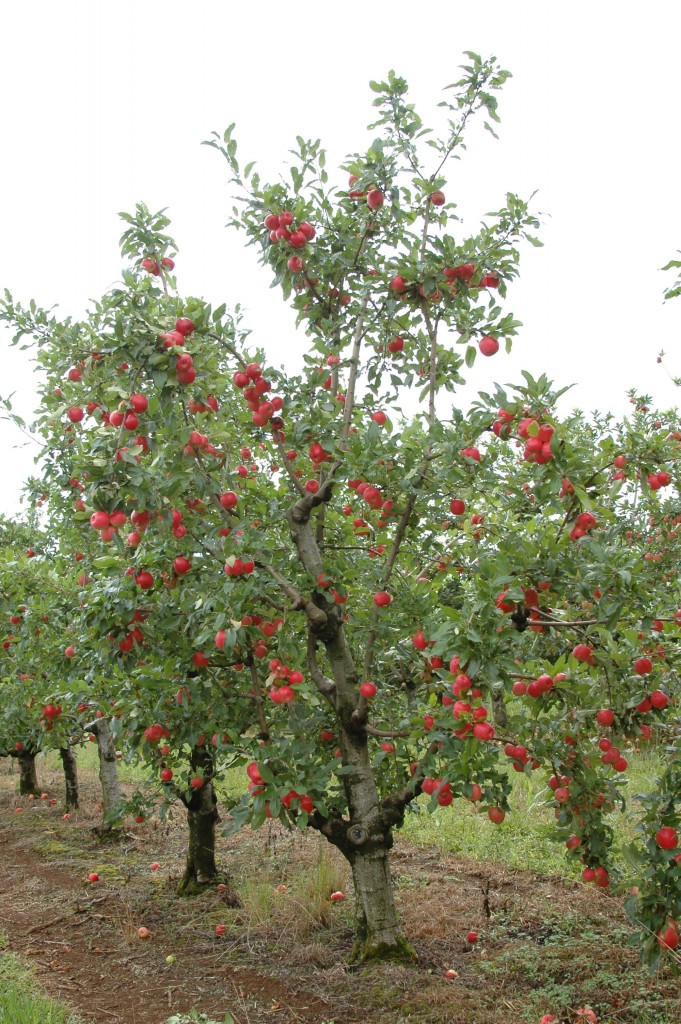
106,103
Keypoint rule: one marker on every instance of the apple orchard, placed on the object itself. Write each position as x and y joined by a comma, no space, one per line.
371,601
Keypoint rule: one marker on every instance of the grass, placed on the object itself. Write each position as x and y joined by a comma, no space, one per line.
553,970
88,762
20,1000
524,840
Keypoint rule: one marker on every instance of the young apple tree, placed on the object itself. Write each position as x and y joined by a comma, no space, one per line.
332,574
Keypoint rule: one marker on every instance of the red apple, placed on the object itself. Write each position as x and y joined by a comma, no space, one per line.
488,345
667,838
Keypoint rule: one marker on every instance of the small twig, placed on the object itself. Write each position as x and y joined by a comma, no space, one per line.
48,924
109,1013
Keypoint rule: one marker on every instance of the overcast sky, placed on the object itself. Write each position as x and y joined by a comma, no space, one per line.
106,104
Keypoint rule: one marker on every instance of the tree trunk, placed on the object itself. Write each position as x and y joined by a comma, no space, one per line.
108,774
366,840
378,935
68,759
202,817
28,778
365,837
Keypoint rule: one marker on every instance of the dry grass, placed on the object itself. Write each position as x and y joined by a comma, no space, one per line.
545,945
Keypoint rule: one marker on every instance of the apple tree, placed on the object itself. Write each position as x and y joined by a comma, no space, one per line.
36,605
334,575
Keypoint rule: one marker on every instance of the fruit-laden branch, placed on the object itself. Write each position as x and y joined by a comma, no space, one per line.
394,805
287,464
548,620
432,372
257,694
349,406
389,564
300,512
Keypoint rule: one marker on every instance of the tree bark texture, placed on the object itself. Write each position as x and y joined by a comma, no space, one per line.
68,759
108,773
28,778
202,817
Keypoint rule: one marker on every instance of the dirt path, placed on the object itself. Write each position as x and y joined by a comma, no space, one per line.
82,941
545,946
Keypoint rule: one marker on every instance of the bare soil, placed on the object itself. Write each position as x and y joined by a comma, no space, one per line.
544,945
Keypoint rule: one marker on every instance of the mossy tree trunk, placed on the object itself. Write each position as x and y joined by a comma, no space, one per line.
378,935
68,759
28,777
202,817
108,775
365,838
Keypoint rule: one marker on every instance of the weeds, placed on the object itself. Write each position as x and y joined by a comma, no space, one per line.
20,1000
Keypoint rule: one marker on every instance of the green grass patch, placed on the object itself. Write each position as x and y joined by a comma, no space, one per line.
525,839
20,999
